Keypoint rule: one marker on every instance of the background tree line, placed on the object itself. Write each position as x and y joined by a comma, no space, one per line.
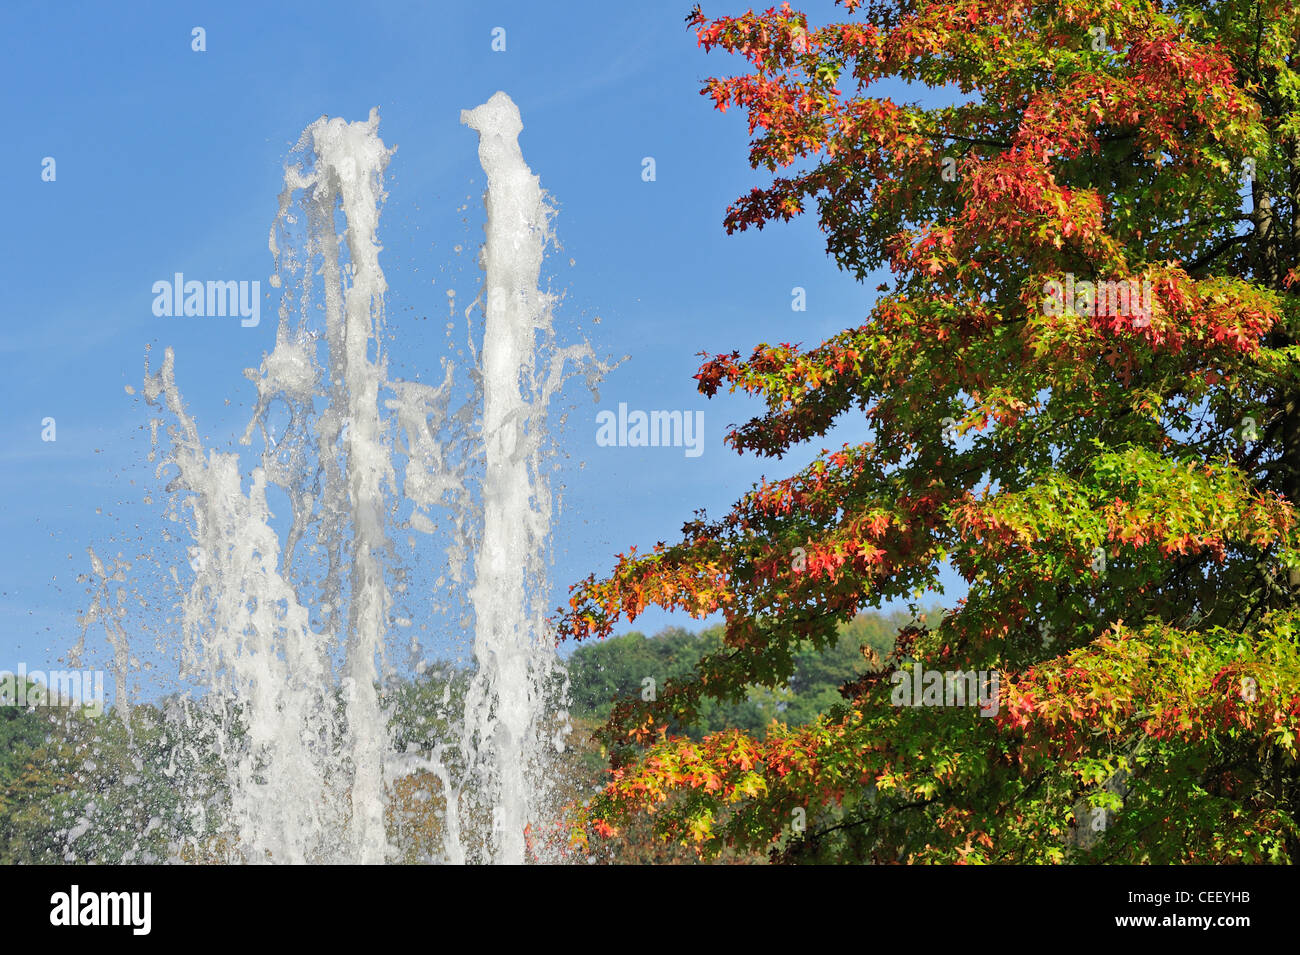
122,788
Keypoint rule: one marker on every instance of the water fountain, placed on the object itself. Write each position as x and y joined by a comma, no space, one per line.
288,627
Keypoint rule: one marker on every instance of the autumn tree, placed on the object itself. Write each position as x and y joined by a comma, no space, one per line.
1081,384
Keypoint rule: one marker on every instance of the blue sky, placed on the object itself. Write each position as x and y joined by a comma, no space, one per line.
170,160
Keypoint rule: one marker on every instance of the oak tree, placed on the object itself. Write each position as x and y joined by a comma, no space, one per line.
1082,384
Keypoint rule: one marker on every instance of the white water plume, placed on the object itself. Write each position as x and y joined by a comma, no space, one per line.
288,625
515,653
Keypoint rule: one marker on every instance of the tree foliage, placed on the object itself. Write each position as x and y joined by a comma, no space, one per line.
1116,485
601,674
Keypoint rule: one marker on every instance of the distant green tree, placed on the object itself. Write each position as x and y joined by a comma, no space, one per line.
107,789
619,668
